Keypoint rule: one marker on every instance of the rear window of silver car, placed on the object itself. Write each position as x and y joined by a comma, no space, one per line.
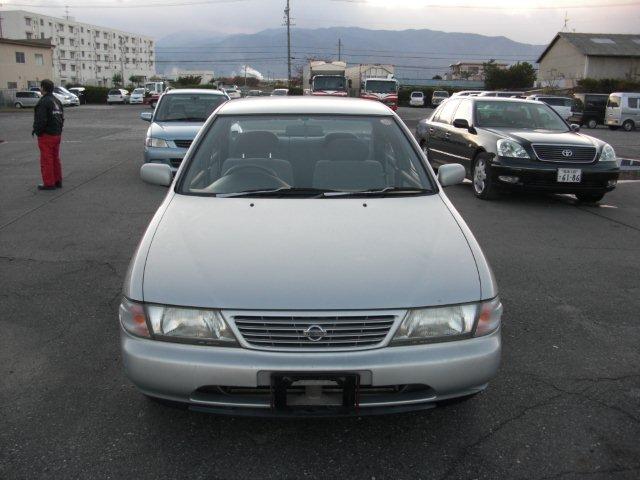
327,152
187,107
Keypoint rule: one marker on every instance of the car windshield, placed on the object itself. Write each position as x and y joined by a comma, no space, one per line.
439,93
417,94
187,107
115,92
280,91
521,115
62,90
304,155
380,86
139,91
329,83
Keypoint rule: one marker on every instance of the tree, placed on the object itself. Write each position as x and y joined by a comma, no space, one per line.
136,79
188,80
519,75
116,79
437,77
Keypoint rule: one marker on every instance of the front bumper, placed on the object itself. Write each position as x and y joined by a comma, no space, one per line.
133,101
171,156
187,373
542,176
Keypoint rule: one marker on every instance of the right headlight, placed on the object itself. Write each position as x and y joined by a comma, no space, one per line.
509,148
422,325
156,142
608,154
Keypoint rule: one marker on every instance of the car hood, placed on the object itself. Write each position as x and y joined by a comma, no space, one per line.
179,130
298,254
544,136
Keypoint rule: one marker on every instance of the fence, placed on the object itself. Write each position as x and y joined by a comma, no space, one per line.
7,96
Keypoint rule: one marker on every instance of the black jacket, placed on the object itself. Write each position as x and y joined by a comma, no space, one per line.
48,116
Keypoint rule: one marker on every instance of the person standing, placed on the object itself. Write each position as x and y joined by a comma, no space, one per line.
47,125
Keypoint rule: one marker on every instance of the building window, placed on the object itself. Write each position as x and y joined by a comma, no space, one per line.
20,57
83,67
72,42
61,40
82,41
42,35
41,22
27,21
63,67
73,67
29,35
70,29
12,85
72,54
39,59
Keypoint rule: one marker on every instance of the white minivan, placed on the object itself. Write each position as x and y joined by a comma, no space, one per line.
623,110
416,99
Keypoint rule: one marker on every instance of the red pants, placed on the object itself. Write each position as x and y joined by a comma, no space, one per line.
50,159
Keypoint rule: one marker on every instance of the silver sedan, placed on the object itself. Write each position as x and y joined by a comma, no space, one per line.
306,261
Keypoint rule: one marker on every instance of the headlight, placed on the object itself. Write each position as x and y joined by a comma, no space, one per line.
431,324
509,148
133,318
608,154
193,324
156,142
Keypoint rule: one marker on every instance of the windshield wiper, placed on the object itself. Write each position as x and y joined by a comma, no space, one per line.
313,192
381,192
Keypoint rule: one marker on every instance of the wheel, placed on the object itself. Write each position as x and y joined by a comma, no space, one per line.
483,186
628,125
18,105
613,127
592,197
592,123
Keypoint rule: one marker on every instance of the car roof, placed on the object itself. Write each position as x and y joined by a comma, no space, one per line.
304,105
211,91
502,99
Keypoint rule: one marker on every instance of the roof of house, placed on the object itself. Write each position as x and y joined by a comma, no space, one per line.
40,42
599,44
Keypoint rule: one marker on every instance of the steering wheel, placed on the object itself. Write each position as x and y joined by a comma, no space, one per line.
256,168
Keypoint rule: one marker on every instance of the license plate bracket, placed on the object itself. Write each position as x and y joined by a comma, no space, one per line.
569,175
345,386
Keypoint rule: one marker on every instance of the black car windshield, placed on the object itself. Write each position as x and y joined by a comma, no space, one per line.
187,107
381,86
329,83
520,115
305,155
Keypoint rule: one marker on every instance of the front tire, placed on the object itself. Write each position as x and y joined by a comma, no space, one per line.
483,186
592,123
17,105
628,125
593,197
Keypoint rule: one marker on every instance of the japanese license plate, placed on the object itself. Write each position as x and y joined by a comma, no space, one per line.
569,175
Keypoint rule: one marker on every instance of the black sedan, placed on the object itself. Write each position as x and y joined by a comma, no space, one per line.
507,143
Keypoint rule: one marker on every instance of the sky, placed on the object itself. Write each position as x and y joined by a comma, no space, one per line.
529,21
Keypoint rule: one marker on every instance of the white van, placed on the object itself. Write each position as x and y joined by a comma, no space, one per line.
438,97
416,99
623,110
562,105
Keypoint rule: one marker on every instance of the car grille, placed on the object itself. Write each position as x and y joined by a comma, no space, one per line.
559,153
183,143
314,332
175,162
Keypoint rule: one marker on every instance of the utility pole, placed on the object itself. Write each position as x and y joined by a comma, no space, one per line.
339,49
245,74
287,20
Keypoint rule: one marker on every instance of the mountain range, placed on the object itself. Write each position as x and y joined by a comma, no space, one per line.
418,54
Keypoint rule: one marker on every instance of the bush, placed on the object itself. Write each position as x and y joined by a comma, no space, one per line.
517,76
96,94
296,91
607,85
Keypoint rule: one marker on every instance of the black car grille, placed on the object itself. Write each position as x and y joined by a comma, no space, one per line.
175,162
183,143
565,153
314,332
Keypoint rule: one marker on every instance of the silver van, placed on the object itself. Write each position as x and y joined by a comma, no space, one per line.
623,110
562,105
27,99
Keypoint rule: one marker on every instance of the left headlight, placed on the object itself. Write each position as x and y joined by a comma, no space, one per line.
608,154
509,148
423,325
175,323
156,142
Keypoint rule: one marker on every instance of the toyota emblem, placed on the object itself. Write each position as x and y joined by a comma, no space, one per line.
567,153
315,333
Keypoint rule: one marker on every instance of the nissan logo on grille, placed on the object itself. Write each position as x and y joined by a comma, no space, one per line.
567,153
315,333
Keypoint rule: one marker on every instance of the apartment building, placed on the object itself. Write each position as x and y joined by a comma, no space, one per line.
84,54
24,63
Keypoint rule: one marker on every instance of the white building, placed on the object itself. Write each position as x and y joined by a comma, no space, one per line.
84,54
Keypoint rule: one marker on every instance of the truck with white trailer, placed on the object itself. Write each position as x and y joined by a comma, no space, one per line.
325,78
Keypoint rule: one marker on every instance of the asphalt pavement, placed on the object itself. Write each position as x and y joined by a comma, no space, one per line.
565,404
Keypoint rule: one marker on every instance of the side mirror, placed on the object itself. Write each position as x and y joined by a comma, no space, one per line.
575,127
451,174
146,116
461,123
156,174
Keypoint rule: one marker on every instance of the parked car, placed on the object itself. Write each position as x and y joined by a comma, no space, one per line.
562,105
233,93
66,97
27,99
438,97
117,95
280,92
501,93
35,89
176,121
623,110
509,143
256,291
416,99
137,96
80,93
466,93
589,109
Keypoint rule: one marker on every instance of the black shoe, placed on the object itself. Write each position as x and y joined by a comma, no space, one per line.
59,184
46,187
